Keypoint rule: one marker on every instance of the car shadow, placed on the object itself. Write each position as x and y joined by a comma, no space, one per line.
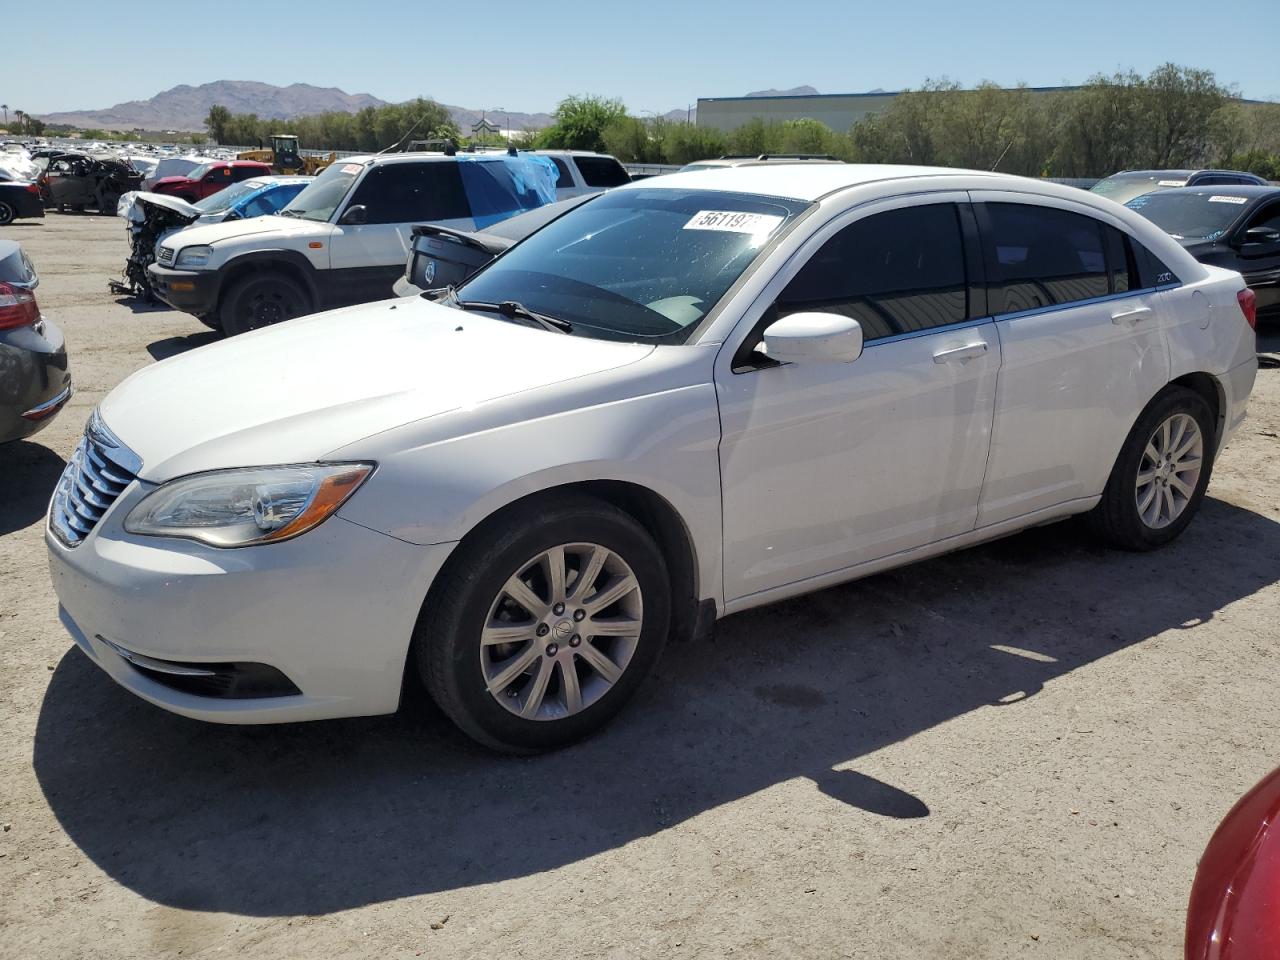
314,818
140,304
172,346
28,473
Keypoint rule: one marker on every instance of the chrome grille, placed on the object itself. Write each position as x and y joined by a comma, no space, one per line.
97,473
164,256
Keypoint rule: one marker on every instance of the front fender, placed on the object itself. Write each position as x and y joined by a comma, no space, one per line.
665,441
256,259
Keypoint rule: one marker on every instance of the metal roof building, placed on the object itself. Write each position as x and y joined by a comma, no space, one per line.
839,111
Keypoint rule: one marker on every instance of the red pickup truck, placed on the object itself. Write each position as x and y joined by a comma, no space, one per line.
210,178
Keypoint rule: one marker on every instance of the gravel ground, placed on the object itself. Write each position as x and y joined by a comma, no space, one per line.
1018,750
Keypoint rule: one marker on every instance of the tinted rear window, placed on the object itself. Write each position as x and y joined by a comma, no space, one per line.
602,171
1042,257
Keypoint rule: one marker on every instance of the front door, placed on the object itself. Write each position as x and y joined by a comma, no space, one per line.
826,466
368,257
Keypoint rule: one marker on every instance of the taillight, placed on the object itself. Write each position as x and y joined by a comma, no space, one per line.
33,188
1249,307
17,307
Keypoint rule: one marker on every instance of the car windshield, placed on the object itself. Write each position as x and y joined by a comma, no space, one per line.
224,198
643,264
1187,215
198,172
322,195
1123,187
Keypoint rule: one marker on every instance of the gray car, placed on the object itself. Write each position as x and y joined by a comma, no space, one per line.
35,381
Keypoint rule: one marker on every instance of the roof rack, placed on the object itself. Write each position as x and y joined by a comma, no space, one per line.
778,156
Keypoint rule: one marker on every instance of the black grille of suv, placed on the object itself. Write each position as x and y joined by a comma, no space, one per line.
94,477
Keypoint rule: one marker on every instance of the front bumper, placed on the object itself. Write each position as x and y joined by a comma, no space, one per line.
333,611
191,291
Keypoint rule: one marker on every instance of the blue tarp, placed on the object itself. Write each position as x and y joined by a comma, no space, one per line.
499,186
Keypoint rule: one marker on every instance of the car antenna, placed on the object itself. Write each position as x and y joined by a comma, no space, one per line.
400,143
1001,157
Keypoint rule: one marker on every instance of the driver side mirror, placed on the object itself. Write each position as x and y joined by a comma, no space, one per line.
813,337
355,215
1259,241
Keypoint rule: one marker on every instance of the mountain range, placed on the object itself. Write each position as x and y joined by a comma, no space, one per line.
184,107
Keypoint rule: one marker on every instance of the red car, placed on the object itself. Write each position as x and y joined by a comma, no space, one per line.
210,178
1234,912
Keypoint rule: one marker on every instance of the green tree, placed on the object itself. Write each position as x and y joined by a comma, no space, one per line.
581,122
216,122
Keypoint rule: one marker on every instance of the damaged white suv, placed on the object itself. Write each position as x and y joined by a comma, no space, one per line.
344,239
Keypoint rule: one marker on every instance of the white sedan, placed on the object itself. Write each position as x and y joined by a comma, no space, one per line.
689,397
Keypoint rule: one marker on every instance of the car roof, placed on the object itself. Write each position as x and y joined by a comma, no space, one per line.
804,181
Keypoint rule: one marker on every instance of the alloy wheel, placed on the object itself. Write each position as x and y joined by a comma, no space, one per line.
561,631
1169,471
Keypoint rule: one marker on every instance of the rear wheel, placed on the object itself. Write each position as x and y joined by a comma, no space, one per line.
1160,477
542,628
261,300
7,213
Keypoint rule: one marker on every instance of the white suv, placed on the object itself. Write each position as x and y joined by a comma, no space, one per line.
342,240
688,397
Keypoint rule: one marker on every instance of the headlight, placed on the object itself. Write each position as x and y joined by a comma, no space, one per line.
194,256
240,508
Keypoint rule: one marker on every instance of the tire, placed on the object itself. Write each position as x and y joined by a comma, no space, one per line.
529,674
260,300
1121,518
7,214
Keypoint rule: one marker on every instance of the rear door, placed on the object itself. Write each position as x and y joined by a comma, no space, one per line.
367,258
1082,347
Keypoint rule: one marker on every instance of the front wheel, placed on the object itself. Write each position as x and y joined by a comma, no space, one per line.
260,300
1160,477
542,628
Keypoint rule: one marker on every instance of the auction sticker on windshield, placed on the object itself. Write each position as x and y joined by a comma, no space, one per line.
351,168
1228,199
733,221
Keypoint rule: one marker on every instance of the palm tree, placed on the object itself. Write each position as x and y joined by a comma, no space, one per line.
21,117
5,108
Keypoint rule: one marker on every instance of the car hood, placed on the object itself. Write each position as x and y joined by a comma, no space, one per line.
257,227
296,392
169,181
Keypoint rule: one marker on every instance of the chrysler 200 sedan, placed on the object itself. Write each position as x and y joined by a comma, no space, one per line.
687,398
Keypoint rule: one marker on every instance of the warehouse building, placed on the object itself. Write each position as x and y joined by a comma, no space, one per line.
839,111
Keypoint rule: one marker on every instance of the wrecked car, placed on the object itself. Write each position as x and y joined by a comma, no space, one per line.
80,181
153,217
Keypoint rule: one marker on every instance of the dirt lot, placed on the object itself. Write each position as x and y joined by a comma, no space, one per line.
1016,751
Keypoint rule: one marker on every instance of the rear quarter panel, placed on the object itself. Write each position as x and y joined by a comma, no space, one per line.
1207,333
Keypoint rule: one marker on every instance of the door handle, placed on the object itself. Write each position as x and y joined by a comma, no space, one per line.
1131,316
961,354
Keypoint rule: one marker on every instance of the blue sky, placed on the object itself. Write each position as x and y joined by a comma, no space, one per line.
655,55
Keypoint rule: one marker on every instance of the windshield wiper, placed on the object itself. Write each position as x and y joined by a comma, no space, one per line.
512,310
290,212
